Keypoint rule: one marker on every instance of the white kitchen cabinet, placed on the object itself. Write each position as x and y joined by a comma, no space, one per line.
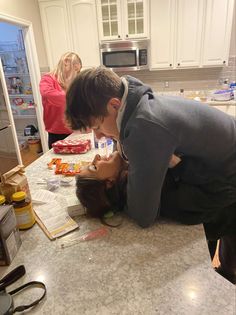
56,29
176,29
228,109
190,33
218,24
162,15
70,25
82,15
122,19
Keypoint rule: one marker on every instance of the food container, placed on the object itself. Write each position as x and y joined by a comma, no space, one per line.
23,210
10,240
222,95
72,146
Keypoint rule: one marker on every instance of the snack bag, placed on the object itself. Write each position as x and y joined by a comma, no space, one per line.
12,181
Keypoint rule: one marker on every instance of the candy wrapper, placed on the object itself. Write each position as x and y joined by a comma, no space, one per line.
68,169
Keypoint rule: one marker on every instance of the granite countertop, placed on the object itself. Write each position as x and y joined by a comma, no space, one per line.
164,269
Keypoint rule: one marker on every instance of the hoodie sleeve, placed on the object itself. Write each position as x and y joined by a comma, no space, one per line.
50,89
148,148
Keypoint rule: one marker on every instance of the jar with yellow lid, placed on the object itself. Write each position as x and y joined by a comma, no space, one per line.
2,200
23,210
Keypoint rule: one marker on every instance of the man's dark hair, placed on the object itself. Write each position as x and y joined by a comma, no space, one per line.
89,94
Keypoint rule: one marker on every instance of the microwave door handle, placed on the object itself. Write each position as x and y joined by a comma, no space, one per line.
137,58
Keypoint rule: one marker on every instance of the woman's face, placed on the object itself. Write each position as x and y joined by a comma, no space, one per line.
104,168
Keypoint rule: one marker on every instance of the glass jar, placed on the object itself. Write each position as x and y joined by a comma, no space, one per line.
23,210
2,200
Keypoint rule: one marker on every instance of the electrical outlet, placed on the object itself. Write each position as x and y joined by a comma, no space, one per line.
166,84
221,81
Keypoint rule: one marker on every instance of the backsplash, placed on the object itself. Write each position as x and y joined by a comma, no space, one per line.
187,79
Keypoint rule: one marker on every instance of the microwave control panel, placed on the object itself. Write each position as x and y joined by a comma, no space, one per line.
142,57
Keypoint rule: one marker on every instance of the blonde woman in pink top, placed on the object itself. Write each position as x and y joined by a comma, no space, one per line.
53,86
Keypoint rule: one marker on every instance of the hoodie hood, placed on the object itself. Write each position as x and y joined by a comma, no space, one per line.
136,91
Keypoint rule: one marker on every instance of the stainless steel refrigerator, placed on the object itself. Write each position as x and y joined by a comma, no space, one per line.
9,147
20,77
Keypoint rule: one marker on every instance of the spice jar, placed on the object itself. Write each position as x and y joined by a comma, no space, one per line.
23,210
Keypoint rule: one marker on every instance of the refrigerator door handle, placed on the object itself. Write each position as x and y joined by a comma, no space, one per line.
10,115
3,128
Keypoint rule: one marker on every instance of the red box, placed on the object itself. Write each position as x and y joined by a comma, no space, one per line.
68,146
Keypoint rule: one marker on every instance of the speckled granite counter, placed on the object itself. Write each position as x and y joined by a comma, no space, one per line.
161,270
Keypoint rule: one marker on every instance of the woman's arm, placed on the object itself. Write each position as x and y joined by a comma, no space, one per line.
48,90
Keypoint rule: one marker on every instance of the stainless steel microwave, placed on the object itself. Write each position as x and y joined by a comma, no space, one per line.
125,55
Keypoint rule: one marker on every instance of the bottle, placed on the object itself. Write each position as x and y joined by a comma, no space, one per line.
2,200
23,210
233,85
102,146
181,92
225,85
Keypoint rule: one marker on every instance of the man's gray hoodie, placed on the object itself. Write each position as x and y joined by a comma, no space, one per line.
155,127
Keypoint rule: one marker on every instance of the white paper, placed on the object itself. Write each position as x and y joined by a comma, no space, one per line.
42,196
51,208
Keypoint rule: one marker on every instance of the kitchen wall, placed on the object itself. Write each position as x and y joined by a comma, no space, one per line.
28,10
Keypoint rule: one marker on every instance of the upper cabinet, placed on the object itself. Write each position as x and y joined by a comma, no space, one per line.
217,35
83,19
183,33
122,19
56,29
190,33
70,25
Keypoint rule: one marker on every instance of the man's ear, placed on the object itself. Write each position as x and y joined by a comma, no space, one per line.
109,183
113,104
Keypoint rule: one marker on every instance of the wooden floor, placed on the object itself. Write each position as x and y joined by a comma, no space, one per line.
216,261
28,156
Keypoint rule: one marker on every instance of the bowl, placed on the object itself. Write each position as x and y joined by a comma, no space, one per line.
221,95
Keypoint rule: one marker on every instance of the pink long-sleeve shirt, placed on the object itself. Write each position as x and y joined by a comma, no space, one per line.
54,103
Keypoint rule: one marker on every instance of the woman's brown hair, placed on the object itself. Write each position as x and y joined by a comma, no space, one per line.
97,198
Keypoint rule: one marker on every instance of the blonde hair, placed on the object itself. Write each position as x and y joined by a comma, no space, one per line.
59,71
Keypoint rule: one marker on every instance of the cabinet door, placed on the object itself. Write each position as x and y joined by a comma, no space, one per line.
82,15
218,26
55,29
228,109
135,21
189,33
109,19
162,14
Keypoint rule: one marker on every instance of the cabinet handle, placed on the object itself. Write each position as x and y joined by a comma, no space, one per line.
127,35
170,64
224,61
178,64
118,36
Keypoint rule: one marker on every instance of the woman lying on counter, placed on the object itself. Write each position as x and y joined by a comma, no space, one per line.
107,178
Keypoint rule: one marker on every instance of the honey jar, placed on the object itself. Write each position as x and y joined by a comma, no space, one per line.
23,210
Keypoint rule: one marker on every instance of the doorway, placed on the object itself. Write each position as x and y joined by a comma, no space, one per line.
22,75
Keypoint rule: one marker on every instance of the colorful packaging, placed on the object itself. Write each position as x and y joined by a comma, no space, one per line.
71,146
